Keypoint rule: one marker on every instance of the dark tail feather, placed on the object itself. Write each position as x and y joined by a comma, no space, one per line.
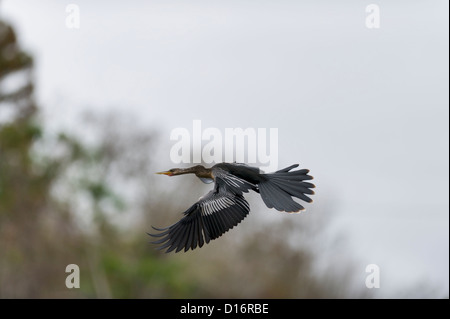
278,188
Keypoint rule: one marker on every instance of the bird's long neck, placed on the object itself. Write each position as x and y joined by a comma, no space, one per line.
198,170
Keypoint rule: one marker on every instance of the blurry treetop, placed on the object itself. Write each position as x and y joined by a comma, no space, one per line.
12,61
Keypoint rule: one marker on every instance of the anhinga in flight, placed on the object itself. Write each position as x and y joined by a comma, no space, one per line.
224,207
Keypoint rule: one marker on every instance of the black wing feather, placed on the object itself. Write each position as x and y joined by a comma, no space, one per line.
209,218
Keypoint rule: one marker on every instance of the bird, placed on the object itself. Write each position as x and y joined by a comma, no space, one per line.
224,206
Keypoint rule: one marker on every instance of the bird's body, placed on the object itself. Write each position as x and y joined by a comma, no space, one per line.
225,206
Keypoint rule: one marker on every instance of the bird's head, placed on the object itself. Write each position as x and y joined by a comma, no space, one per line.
198,169
171,172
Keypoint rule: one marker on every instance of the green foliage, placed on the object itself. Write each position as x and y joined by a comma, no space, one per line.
11,57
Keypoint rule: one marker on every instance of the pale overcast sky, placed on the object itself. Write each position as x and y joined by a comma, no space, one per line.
365,109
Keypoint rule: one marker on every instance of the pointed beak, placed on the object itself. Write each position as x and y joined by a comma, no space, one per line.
168,173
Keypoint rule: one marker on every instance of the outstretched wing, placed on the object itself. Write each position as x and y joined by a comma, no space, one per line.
214,214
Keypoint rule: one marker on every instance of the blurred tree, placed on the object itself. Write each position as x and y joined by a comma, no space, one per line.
20,188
